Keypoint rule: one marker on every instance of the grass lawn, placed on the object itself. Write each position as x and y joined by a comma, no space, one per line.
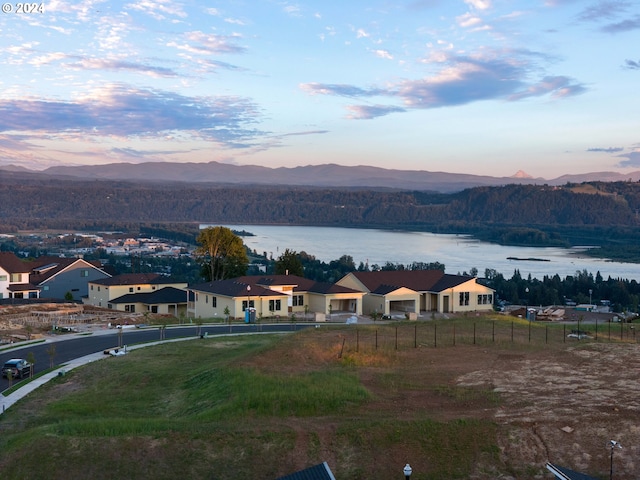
263,406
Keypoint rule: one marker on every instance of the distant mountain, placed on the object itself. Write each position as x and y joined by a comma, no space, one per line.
521,174
327,175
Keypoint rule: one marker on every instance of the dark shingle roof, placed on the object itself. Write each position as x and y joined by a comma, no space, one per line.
164,295
317,472
449,281
385,289
299,284
12,264
43,268
328,288
135,279
418,280
234,288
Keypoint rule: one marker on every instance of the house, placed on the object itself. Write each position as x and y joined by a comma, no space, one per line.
14,278
166,300
272,295
317,472
415,291
310,296
107,293
232,297
56,277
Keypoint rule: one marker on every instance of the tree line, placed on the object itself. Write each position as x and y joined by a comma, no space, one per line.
606,213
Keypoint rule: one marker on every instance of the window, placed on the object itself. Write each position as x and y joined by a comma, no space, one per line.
206,299
244,305
298,300
84,273
485,299
130,308
130,289
3,278
91,287
15,277
275,305
464,299
214,302
154,309
45,288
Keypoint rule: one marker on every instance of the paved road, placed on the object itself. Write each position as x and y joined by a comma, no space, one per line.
70,347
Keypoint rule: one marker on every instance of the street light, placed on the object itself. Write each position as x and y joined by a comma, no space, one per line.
249,296
613,444
526,303
590,292
407,471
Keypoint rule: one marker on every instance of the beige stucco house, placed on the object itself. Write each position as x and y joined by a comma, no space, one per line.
271,296
139,293
415,291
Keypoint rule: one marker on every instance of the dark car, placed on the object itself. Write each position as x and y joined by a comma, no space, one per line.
18,367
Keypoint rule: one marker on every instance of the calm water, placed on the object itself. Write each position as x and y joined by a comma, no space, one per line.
457,252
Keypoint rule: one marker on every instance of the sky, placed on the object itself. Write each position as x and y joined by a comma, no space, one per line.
485,87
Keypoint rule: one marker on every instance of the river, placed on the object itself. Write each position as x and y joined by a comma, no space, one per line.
458,253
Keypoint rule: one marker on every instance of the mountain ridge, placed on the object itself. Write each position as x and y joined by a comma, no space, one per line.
323,175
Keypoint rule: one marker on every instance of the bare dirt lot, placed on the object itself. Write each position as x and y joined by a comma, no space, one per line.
560,404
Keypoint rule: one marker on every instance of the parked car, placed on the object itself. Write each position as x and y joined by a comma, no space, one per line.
18,367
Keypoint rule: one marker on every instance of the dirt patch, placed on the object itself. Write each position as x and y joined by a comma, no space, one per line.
561,405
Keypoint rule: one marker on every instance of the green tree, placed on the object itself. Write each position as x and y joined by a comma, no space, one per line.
221,253
289,263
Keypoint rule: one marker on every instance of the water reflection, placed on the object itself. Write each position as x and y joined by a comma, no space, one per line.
459,253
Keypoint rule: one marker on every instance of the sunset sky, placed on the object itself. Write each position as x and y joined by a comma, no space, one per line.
486,87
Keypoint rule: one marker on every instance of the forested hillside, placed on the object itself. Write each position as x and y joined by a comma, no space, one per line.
520,214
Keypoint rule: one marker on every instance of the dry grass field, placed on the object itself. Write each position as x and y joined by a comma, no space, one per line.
465,409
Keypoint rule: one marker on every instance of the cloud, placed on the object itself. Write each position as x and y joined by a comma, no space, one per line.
604,10
468,20
383,54
632,64
632,160
128,112
308,132
121,65
479,4
208,44
339,90
606,150
159,9
623,26
461,80
367,112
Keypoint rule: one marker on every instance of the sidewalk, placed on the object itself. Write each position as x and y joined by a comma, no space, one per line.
9,400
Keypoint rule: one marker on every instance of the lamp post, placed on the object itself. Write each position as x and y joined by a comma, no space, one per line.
613,444
249,296
526,303
407,471
590,292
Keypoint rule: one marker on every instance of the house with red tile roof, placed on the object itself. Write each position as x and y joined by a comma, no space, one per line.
416,291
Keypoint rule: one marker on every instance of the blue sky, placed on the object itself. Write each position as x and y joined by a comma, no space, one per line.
486,87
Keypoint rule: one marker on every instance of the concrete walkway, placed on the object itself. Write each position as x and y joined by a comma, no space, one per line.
23,391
